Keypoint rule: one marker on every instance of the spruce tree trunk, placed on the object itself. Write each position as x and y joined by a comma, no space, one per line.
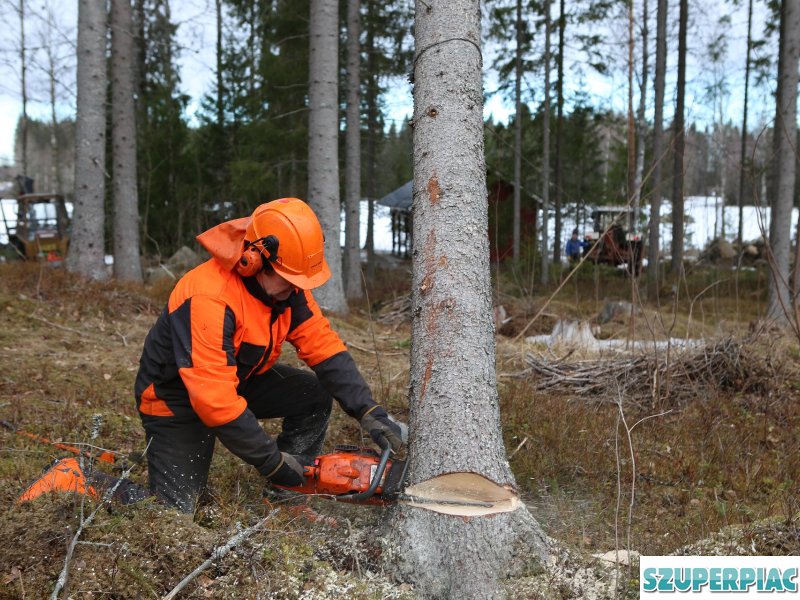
559,181
24,86
631,129
454,412
86,251
127,265
680,143
55,149
352,258
743,154
779,297
545,276
373,131
518,134
641,123
654,242
323,147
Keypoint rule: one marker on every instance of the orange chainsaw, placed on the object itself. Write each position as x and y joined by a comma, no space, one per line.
356,475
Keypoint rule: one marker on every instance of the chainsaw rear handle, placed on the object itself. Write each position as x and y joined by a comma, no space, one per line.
376,480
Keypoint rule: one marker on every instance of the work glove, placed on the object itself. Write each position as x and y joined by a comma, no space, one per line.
379,424
289,473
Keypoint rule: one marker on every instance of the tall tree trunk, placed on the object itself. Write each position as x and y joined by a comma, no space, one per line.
631,130
743,154
545,277
654,242
641,122
680,142
323,144
220,100
86,251
55,150
562,28
373,131
127,265
518,133
454,412
352,258
779,304
24,85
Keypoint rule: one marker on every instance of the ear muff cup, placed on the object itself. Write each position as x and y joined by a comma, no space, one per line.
257,255
250,262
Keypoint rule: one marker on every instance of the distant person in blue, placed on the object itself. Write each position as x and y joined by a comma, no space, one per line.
574,248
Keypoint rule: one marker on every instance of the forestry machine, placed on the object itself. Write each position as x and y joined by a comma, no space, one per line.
614,239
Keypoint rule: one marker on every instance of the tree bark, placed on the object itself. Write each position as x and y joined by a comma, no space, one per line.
86,251
545,276
127,264
641,123
680,142
323,146
219,100
654,242
779,296
518,134
454,411
743,154
559,181
48,41
631,129
373,131
24,87
352,258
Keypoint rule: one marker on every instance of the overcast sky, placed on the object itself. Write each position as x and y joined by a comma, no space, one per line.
196,39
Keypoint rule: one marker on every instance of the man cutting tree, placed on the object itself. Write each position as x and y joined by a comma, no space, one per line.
209,366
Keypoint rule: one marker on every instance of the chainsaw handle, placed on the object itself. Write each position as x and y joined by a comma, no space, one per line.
370,491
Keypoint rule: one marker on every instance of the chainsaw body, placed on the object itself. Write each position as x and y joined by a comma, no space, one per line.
353,474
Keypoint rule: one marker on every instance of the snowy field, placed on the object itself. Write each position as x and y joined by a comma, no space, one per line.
703,222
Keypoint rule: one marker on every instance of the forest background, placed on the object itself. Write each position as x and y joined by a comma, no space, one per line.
222,123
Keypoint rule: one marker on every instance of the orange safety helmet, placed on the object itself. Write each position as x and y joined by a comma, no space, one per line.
286,234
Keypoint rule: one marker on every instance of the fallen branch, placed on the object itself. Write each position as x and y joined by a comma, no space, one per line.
368,351
721,365
218,553
56,325
517,449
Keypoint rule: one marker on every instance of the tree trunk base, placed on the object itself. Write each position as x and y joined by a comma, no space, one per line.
447,556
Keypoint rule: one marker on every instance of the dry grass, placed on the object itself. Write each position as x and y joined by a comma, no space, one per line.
69,350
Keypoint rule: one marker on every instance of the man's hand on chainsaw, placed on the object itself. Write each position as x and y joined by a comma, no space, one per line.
289,473
379,424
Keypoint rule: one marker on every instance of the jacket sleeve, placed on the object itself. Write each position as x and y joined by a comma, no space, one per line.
202,330
323,350
341,378
310,332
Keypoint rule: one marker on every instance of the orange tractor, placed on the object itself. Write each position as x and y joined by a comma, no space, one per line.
614,239
40,228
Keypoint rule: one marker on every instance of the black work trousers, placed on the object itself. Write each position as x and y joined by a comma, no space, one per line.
180,449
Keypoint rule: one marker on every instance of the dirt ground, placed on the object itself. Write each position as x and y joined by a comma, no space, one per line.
709,465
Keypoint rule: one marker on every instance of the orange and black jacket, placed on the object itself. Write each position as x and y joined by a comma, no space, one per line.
219,329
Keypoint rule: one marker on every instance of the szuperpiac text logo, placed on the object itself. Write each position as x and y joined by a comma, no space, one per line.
718,576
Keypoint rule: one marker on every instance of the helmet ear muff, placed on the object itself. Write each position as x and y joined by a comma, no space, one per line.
250,262
257,256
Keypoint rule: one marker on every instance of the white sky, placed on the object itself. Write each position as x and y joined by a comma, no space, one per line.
196,38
